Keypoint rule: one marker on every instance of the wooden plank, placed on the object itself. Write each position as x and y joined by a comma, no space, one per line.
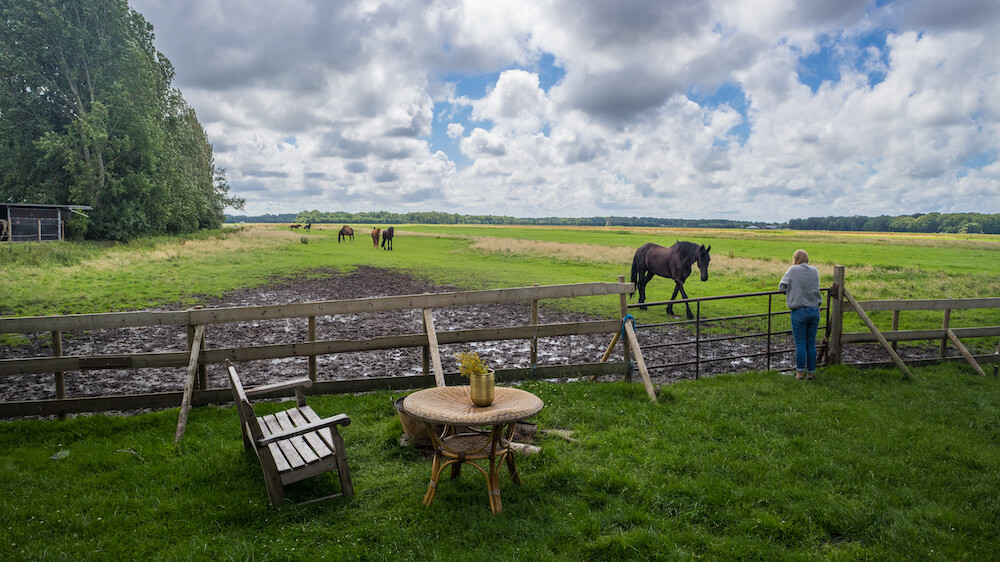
965,353
78,322
930,304
325,434
192,371
313,438
918,335
277,351
640,362
287,450
432,346
280,462
298,442
942,349
871,326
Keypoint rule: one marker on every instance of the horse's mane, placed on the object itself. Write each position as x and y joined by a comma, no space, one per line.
687,249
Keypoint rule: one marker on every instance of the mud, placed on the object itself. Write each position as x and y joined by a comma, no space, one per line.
373,282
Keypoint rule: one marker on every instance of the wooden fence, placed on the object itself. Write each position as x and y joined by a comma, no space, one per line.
191,320
194,321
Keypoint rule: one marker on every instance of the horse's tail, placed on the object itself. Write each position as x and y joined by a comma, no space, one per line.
637,270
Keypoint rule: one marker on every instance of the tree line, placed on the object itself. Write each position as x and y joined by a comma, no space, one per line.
965,223
437,217
88,116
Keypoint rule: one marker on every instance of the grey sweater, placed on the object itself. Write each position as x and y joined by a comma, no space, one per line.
801,286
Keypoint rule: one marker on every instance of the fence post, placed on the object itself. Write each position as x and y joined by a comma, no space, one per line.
202,381
312,358
534,338
895,327
769,308
943,349
57,351
626,348
837,316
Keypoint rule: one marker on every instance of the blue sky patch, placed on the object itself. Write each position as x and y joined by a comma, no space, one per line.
728,94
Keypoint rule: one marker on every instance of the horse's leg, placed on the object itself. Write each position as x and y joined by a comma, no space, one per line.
644,277
684,295
670,305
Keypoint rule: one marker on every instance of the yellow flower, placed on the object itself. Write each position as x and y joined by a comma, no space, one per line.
469,363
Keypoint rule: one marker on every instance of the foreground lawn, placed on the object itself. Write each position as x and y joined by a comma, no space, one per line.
855,465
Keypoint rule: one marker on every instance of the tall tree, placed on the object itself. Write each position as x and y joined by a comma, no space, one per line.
89,117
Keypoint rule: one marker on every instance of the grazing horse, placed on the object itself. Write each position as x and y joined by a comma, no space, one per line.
345,233
376,232
295,226
674,263
308,226
387,238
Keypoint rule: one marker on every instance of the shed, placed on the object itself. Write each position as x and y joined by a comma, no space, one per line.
26,222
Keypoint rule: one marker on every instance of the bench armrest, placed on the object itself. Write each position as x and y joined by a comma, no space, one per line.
303,382
339,419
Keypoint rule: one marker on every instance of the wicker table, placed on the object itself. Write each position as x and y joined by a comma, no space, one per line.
461,442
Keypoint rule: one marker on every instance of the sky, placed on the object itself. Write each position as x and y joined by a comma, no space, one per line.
761,110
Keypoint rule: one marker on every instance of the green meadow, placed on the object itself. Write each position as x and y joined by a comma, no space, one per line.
857,465
86,277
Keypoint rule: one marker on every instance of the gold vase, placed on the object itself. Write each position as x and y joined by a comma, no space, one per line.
481,388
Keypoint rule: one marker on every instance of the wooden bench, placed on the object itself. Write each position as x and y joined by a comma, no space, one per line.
292,444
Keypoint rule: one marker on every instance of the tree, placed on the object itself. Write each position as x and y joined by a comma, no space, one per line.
89,117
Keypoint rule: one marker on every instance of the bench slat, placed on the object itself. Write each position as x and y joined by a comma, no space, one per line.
301,447
279,458
325,433
313,438
286,449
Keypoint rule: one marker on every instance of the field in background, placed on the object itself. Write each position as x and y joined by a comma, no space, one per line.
87,277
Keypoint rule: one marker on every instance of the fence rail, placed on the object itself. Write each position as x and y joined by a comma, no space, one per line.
190,319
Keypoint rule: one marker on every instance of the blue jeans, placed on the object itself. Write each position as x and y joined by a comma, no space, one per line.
805,322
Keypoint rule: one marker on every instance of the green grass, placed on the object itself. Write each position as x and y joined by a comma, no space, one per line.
855,465
86,277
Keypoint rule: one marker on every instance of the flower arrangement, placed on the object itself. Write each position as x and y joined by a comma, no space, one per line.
470,364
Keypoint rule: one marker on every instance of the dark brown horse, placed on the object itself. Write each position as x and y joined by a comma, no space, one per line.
376,231
387,238
673,263
345,233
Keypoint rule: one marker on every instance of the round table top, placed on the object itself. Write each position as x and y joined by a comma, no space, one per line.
452,405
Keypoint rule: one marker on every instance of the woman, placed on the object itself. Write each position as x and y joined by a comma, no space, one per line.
801,287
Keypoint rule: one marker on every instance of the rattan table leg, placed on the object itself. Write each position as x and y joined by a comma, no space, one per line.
432,487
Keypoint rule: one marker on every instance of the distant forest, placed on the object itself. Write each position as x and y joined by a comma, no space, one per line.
382,218
965,223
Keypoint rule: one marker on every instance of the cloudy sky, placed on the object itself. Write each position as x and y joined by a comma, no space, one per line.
735,109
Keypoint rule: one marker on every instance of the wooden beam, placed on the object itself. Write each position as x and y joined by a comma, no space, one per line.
965,353
871,326
432,346
930,304
919,335
192,372
640,362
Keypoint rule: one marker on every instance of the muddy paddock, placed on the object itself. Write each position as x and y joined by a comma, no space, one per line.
362,282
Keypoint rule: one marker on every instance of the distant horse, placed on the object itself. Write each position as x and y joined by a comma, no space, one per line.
387,238
308,226
376,231
673,263
345,233
295,226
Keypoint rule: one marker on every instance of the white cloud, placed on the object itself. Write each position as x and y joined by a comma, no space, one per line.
367,87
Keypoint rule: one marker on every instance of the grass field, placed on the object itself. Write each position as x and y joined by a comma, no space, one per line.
852,466
84,277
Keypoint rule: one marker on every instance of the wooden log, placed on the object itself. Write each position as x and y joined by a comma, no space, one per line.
432,345
965,353
871,326
533,357
630,334
199,332
836,352
312,358
943,348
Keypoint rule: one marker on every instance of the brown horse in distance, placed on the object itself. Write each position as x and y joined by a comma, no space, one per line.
345,233
387,238
376,232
